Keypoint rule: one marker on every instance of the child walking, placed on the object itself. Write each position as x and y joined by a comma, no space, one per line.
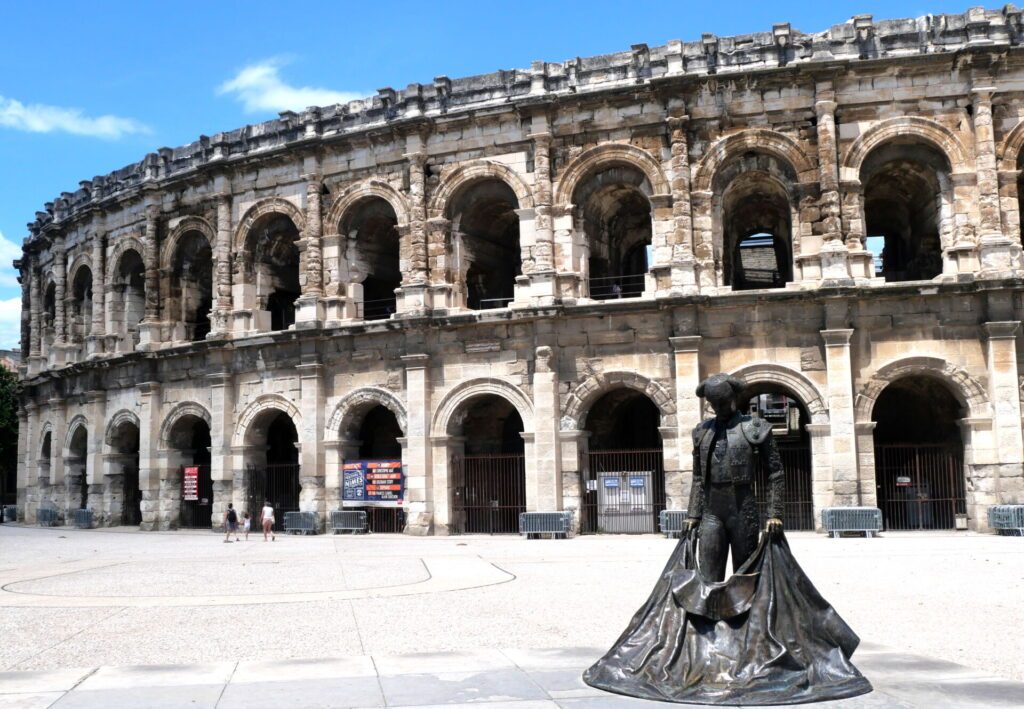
246,525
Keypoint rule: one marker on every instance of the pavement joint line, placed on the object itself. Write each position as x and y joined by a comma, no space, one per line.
380,682
65,639
226,685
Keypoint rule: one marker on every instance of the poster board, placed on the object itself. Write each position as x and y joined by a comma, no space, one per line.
372,483
190,484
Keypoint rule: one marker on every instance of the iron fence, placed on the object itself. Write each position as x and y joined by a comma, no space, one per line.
198,514
380,309
278,483
613,287
920,486
490,493
797,503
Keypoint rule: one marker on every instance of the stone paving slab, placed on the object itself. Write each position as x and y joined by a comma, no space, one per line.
516,679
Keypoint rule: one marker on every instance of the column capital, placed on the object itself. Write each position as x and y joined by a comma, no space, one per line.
686,343
1002,330
824,107
865,428
836,337
416,361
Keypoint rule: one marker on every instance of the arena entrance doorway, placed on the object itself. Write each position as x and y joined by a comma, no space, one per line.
276,478
788,418
919,456
489,476
624,479
190,442
378,441
124,441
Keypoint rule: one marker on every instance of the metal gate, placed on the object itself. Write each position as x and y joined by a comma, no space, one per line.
385,520
277,483
920,486
624,491
132,511
797,505
198,514
489,493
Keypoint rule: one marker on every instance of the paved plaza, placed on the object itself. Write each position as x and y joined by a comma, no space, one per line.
91,618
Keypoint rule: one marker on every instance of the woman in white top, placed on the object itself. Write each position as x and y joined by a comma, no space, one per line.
267,518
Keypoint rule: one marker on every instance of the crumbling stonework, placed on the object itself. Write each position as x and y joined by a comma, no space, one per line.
546,237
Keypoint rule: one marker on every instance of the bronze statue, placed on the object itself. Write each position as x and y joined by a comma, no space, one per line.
764,635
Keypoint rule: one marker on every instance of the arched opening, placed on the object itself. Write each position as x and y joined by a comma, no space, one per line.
45,458
49,319
75,473
485,240
371,249
919,455
757,226
272,244
189,445
908,208
129,305
788,418
191,286
80,315
379,450
272,457
489,472
624,475
123,472
615,212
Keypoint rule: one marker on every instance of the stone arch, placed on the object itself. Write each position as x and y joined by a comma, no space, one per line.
178,412
779,145
79,421
117,420
80,261
465,175
190,223
364,190
1009,149
588,391
608,155
122,247
356,403
263,403
455,399
968,391
928,130
793,381
47,428
271,205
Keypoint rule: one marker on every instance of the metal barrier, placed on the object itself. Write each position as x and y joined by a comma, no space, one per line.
554,523
348,521
301,522
83,518
837,520
671,522
10,513
1007,520
47,517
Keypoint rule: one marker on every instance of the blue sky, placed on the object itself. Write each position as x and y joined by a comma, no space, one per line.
86,88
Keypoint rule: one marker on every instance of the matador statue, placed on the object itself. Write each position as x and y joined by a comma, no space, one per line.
722,500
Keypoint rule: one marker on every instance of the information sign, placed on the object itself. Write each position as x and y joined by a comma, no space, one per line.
373,483
190,484
611,482
637,481
903,481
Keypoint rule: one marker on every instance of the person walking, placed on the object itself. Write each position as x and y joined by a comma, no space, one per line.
267,517
246,524
230,523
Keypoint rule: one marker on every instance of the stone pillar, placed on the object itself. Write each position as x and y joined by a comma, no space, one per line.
547,495
221,315
845,484
156,512
834,254
444,450
683,266
58,472
1004,392
31,484
573,458
821,469
413,296
94,343
222,428
94,459
868,488
35,362
1001,256
60,270
311,460
419,493
686,371
149,328
22,483
309,307
445,291
543,279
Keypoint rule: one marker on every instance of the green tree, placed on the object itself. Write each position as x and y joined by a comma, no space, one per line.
10,388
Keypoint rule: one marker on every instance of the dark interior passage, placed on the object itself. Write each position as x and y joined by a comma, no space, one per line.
378,440
190,438
486,228
275,478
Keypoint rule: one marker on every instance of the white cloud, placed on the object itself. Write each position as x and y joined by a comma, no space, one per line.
260,88
10,323
41,118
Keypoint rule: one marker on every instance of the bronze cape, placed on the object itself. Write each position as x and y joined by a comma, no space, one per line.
763,636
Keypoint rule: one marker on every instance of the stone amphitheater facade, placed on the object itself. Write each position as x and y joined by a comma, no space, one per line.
519,263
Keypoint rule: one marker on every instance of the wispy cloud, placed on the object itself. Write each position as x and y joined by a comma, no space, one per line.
260,88
42,118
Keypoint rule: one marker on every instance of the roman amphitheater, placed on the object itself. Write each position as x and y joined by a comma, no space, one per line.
514,282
